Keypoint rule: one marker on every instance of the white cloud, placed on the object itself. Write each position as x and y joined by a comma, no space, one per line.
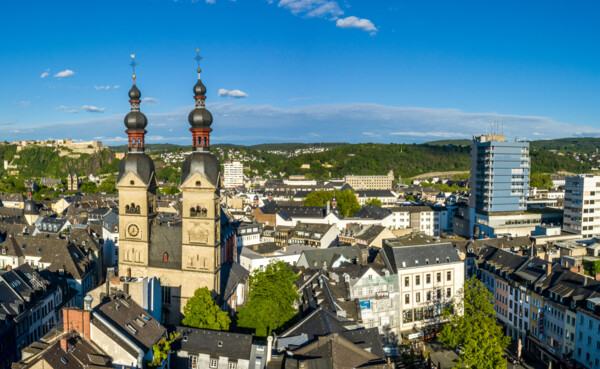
66,109
102,87
45,74
236,94
211,1
239,123
355,22
64,73
25,103
92,109
116,86
151,101
313,8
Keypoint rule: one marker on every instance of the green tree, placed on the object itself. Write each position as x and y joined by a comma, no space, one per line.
108,185
270,299
201,311
169,190
162,349
540,180
473,328
373,202
88,187
346,200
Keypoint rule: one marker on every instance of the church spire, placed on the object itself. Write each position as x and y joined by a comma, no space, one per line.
135,121
200,119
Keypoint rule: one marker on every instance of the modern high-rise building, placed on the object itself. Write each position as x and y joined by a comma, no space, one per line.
582,205
233,174
499,187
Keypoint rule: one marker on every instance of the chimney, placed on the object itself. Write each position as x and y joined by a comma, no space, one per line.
63,344
77,320
328,207
597,277
548,268
8,268
269,348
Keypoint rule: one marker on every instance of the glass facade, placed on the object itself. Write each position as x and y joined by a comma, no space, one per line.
499,175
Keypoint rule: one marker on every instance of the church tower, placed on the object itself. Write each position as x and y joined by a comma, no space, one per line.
137,194
200,183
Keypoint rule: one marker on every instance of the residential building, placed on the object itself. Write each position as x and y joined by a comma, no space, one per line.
233,174
203,348
499,187
587,352
581,205
429,274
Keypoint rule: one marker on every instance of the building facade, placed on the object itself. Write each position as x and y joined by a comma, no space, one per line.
188,255
233,174
499,187
581,203
371,182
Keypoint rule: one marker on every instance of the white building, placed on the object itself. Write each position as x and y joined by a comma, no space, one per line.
429,274
233,174
251,257
582,203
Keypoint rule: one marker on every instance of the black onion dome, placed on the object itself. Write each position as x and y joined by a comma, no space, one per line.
135,120
138,163
30,207
203,163
199,88
200,118
134,93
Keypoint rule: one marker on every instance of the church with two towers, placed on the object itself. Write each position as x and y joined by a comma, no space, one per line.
186,256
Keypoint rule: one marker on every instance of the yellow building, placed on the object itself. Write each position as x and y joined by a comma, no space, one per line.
184,256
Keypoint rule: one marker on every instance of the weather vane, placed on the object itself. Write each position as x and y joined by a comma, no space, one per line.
198,58
133,64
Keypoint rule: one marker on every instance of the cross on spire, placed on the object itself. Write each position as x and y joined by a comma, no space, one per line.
198,58
133,65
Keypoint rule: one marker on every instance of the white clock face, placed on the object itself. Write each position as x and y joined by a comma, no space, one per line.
133,230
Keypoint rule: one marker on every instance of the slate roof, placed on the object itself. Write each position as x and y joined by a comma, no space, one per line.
19,287
420,256
372,212
375,193
232,275
165,238
214,343
316,257
133,321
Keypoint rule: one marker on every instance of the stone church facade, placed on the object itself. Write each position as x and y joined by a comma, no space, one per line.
185,256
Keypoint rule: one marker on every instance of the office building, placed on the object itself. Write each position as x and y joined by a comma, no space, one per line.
499,186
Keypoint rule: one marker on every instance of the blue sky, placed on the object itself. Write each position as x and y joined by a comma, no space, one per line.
312,70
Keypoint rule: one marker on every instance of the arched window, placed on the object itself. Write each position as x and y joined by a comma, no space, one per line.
165,257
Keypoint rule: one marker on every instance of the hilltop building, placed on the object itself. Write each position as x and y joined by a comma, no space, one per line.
370,182
499,186
184,256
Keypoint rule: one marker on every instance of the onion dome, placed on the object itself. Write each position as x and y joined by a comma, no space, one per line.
134,93
135,120
200,117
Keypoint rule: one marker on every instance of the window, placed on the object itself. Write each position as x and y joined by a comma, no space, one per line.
448,292
418,298
166,294
214,363
193,361
438,277
428,278
406,281
407,298
439,294
428,295
448,276
232,365
418,280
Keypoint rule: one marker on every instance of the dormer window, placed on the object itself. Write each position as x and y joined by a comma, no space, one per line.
220,344
165,257
427,261
437,260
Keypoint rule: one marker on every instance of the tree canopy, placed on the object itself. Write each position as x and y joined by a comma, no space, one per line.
373,202
346,200
473,328
270,299
540,180
162,350
201,311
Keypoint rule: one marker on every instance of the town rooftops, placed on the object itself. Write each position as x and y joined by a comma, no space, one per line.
419,255
214,343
